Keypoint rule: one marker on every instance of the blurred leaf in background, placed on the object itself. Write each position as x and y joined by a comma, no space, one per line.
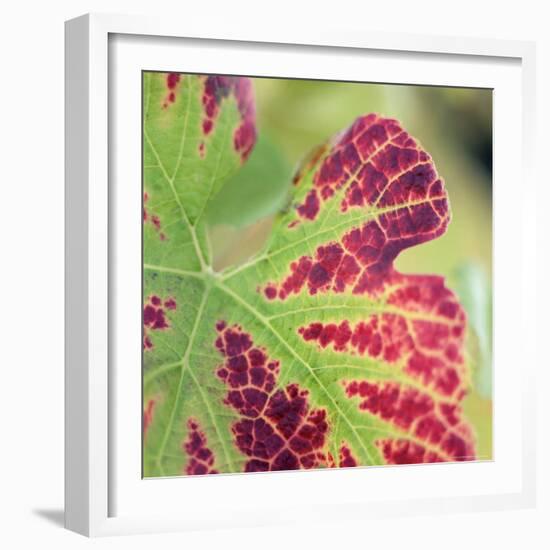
471,283
473,287
254,192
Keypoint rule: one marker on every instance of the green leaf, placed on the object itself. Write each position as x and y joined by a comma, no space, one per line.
316,352
258,190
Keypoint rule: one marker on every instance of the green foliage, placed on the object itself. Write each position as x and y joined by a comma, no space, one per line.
258,190
474,290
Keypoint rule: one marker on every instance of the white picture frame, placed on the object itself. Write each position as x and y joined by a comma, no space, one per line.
100,497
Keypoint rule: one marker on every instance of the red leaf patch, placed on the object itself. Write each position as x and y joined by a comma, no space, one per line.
278,429
201,458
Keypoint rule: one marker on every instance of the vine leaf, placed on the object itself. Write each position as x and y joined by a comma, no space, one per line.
316,352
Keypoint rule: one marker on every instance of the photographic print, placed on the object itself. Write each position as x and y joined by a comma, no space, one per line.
317,274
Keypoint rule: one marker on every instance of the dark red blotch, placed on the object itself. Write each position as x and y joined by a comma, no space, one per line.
404,451
416,413
152,218
216,89
201,458
347,460
154,317
278,429
172,81
379,164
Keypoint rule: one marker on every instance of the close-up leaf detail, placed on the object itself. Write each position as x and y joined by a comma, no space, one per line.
316,352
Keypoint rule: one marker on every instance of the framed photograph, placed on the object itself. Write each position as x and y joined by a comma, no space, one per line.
296,273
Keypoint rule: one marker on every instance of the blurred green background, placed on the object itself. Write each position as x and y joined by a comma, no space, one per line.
455,127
